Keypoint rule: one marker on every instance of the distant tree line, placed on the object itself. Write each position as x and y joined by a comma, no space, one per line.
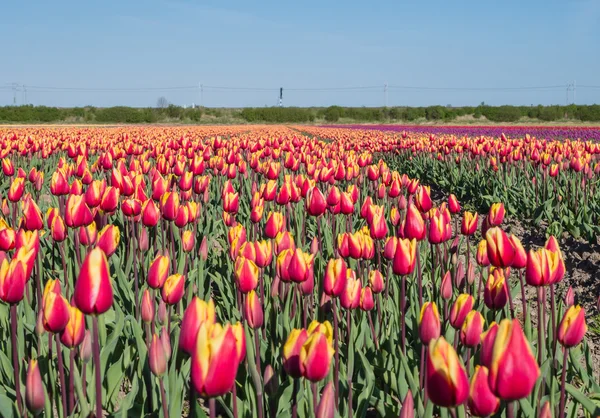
585,113
332,114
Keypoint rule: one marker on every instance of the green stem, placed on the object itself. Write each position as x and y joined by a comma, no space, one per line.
97,367
15,356
561,408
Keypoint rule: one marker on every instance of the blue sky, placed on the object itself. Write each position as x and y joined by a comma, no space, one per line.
309,44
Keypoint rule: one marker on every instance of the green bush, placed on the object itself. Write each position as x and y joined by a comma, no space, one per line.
550,113
123,114
588,113
333,113
277,114
435,113
502,113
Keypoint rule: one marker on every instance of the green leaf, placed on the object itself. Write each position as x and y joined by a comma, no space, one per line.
7,407
365,394
590,406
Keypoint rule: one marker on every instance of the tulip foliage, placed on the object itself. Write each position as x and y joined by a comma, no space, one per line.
262,271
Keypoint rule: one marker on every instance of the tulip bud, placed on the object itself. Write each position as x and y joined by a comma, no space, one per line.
569,297
150,213
414,226
520,260
326,408
93,289
7,237
446,380
500,249
446,286
482,254
284,241
158,271
108,239
74,332
203,251
144,241
350,297
231,203
315,202
402,203
253,310
85,350
334,281
461,307
270,380
542,266
77,213
299,265
378,224
147,310
482,402
274,225
572,328
94,193
366,299
247,250
35,394
314,246
495,293
470,332
246,274
439,227
376,281
32,216
88,234
215,360
429,323
405,257
507,381
459,276
408,406
496,214
157,357
453,204
7,167
58,229
165,340
343,246
187,241
291,352
469,223
389,249
471,273
317,352
423,199
559,270
173,289
16,189
546,411
197,313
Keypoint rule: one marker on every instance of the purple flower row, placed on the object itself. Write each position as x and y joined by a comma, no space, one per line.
543,132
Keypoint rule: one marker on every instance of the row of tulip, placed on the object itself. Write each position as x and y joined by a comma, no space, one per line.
550,182
258,271
585,133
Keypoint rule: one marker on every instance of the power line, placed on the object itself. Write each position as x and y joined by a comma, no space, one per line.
334,88
241,88
387,87
111,89
477,88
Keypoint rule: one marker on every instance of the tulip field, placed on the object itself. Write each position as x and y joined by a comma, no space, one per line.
303,271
